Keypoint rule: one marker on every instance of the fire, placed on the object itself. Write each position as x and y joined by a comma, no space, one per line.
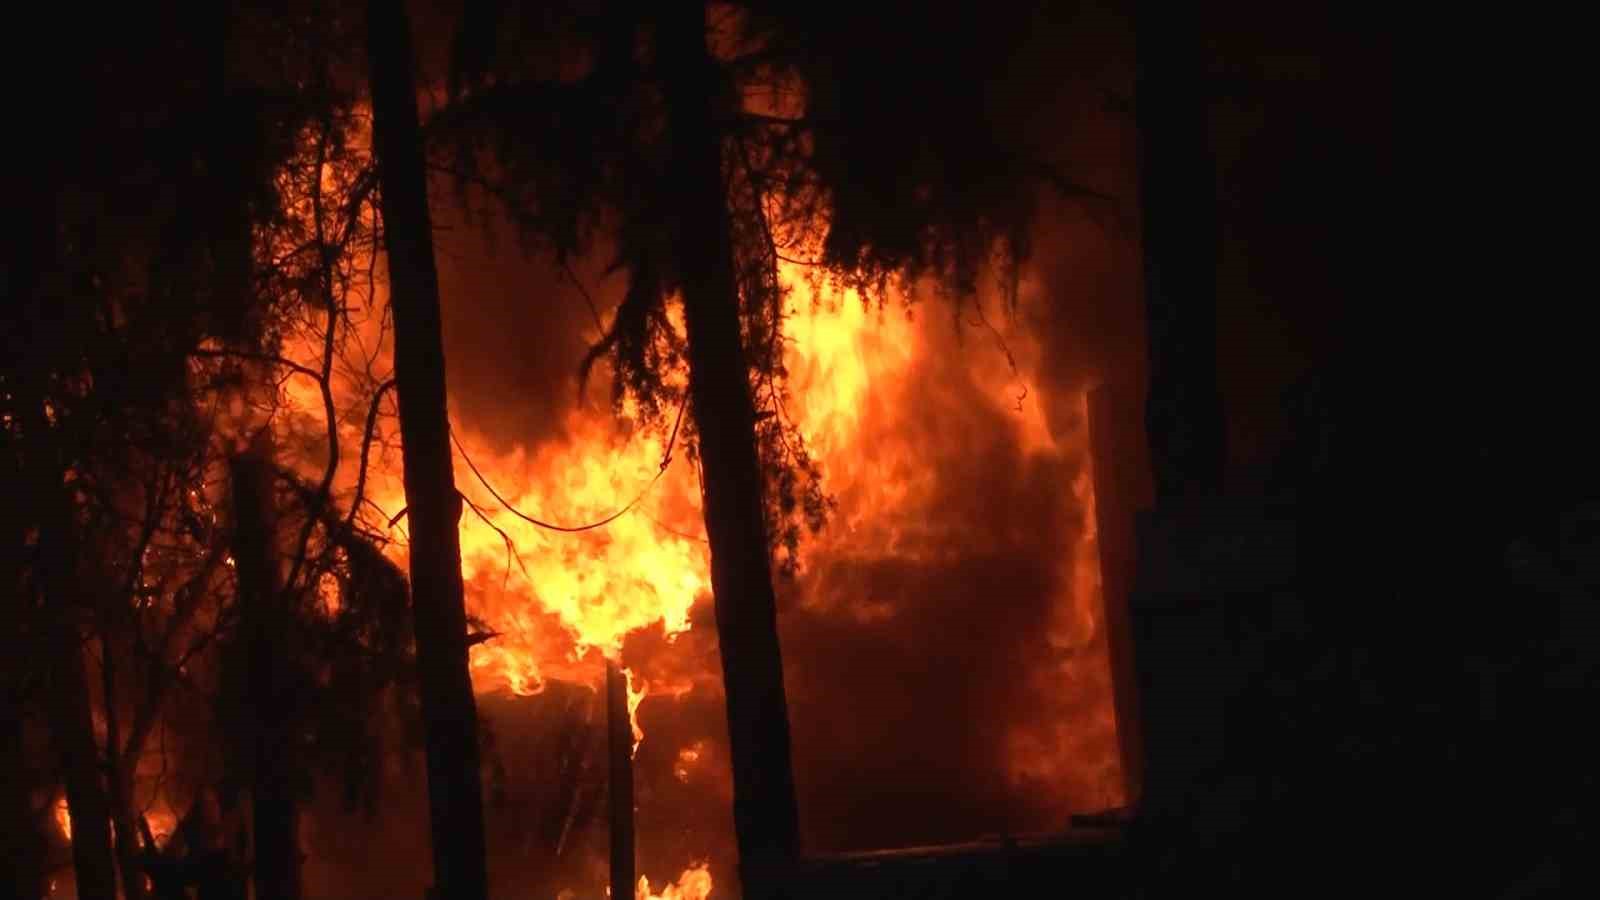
63,818
556,603
599,585
854,374
693,884
163,822
553,598
635,697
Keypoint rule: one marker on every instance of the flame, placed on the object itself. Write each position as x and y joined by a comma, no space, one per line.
163,822
558,603
63,818
693,884
635,697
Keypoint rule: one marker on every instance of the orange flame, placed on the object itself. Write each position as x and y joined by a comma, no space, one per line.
558,603
693,884
553,598
635,697
63,818
162,821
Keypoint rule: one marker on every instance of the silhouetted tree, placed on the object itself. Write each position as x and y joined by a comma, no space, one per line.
449,709
266,618
139,260
47,584
1182,245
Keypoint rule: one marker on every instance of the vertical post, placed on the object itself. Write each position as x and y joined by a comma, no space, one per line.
619,745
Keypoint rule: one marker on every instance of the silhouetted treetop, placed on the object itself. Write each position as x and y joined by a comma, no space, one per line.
920,171
882,125
865,143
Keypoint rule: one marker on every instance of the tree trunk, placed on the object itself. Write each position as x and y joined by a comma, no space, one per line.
73,739
126,834
21,841
48,506
74,742
619,750
1181,655
765,814
21,846
449,710
266,620
1181,246
68,700
120,771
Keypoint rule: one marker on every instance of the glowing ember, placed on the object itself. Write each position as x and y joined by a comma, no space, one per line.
687,757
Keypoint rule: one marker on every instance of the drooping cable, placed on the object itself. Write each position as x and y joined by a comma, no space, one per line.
666,460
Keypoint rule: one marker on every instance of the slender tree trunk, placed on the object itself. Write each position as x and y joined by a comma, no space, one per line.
1184,415
21,846
764,809
1179,636
73,738
21,842
49,508
619,750
72,729
67,700
125,832
449,710
120,770
266,620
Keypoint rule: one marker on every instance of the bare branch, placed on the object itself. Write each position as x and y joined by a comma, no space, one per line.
366,446
274,359
325,377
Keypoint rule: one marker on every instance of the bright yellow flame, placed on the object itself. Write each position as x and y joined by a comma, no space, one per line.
635,697
863,392
693,884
